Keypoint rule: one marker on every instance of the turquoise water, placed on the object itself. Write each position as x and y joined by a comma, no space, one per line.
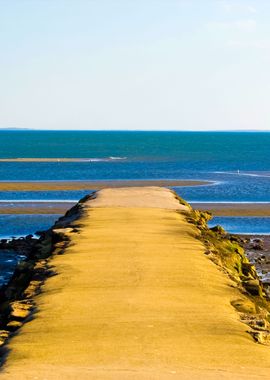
215,156
189,150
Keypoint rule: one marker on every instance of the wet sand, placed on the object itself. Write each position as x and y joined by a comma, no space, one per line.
93,185
135,297
234,209
35,207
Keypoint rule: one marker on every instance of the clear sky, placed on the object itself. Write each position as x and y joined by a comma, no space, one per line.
135,64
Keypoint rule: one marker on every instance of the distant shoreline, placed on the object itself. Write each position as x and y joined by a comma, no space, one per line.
234,208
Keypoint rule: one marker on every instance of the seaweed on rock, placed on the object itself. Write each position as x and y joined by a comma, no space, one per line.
226,252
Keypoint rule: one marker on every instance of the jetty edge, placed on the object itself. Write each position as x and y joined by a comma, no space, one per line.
155,306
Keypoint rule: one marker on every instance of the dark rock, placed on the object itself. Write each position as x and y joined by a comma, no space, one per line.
40,233
257,244
253,287
14,325
218,229
249,270
235,239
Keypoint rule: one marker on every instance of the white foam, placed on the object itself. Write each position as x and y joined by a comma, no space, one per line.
243,174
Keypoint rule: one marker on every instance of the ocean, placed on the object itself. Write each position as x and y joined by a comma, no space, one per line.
237,163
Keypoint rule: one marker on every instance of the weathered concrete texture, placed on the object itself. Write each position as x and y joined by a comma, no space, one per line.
136,298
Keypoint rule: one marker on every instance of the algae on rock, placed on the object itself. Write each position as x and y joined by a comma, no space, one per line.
226,252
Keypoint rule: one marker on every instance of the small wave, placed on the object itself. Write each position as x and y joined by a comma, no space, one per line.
92,159
243,174
207,182
117,158
104,159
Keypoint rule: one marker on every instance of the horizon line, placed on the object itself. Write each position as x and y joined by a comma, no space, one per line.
132,130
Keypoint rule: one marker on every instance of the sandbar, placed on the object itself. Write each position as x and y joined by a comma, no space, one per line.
234,209
93,185
54,159
35,207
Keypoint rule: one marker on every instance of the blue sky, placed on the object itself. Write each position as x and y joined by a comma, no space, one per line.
142,64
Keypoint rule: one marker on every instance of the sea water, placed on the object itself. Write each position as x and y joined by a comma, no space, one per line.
237,163
14,226
243,225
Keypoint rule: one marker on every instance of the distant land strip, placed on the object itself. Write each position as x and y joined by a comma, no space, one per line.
35,207
93,185
234,209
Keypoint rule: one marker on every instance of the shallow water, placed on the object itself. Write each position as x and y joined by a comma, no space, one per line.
22,225
243,225
8,262
16,226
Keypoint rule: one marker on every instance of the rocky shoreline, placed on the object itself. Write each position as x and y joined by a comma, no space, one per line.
257,249
234,255
17,303
17,298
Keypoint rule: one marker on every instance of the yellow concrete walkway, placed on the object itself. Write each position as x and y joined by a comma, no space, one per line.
135,298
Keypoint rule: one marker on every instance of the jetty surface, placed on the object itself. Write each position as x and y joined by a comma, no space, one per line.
135,297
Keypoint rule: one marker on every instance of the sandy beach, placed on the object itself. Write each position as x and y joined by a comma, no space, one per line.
135,297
